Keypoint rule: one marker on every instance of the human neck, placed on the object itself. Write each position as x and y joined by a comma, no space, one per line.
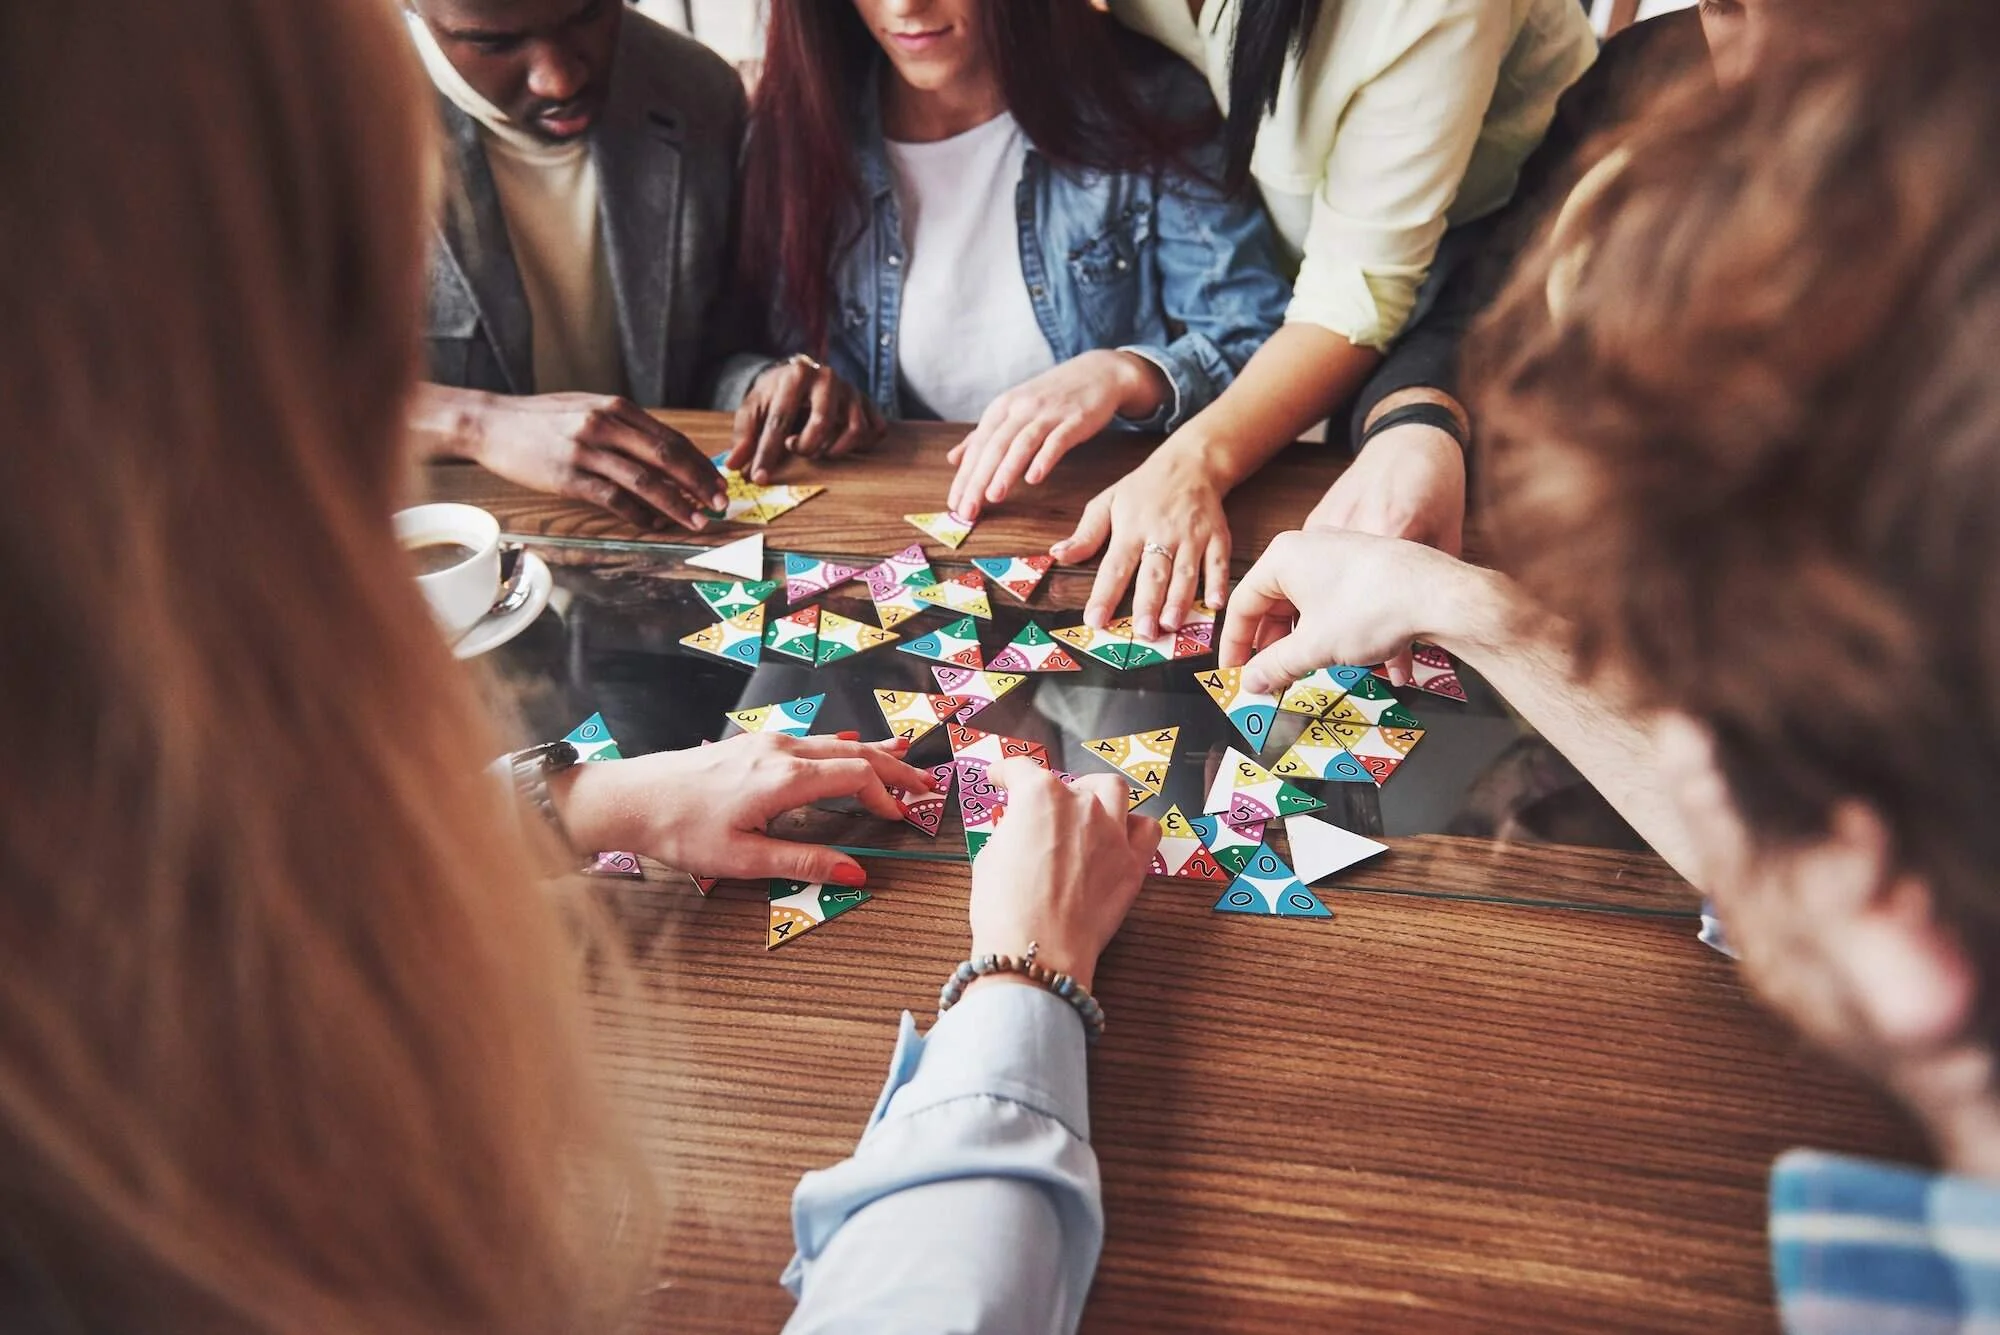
1953,1096
913,115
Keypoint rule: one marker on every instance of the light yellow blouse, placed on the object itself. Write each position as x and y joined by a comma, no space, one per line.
1400,119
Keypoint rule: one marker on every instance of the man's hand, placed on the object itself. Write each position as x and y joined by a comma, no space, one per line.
596,448
1408,482
1025,432
800,407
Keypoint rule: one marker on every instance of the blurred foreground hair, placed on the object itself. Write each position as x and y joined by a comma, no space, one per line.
289,1040
1753,453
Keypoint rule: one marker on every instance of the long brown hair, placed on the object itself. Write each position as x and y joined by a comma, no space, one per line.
1070,76
289,1040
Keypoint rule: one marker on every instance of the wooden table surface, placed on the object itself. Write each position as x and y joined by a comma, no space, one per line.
1503,1090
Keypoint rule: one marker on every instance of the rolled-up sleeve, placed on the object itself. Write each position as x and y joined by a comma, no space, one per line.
1395,168
971,1204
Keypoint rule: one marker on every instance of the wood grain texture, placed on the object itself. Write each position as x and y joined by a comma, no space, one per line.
1423,1116
860,514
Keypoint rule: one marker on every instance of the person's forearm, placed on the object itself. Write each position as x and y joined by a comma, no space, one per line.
1299,377
1485,620
446,421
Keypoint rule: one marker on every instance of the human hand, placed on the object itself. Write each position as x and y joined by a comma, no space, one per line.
1408,482
704,810
1164,522
803,408
601,449
1025,432
1316,599
1062,870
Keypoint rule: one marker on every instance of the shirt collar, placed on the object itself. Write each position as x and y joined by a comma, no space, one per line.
1859,1246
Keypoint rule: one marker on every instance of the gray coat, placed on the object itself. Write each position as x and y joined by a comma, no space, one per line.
666,147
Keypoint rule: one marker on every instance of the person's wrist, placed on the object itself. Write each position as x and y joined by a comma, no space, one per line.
1195,461
596,809
1051,954
1143,388
1465,608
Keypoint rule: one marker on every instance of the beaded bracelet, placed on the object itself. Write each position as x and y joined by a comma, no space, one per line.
1061,984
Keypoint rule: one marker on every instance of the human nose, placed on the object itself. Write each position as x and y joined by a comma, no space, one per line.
556,75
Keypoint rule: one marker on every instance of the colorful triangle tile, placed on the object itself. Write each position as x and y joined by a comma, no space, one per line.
593,740
1433,671
1320,690
808,576
1266,886
1016,576
1318,754
975,688
1182,855
1107,645
1228,843
1142,757
961,593
794,718
945,526
795,634
1252,713
990,748
1245,791
733,598
1034,650
893,584
797,907
739,639
913,714
743,558
843,637
957,643
926,810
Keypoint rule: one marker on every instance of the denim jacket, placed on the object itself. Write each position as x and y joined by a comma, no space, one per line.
1149,262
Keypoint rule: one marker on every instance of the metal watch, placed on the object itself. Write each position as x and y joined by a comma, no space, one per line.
531,768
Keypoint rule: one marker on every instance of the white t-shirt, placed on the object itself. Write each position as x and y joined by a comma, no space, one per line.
968,331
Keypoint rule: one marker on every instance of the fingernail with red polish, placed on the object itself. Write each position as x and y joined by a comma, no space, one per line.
848,736
851,874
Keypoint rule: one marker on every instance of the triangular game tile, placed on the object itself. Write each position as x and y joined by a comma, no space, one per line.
1229,843
945,526
1433,671
1251,712
1017,576
1320,848
843,637
974,687
794,718
593,740
1142,757
957,644
1034,650
739,639
743,558
797,907
727,598
1320,690
912,714
795,634
808,576
963,594
1245,791
1319,754
1267,886
1182,855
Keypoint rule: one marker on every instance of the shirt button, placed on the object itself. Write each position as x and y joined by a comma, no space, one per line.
895,261
1035,291
885,340
1120,265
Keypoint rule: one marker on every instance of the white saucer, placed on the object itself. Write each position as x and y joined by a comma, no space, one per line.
494,631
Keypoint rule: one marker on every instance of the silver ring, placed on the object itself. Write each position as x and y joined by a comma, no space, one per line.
800,359
1154,549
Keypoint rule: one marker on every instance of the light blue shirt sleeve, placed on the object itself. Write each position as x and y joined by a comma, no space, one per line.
972,1204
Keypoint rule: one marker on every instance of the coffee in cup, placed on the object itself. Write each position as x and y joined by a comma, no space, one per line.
456,552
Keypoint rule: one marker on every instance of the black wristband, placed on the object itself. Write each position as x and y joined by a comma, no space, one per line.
1421,414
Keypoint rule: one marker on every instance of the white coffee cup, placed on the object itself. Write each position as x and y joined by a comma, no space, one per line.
462,593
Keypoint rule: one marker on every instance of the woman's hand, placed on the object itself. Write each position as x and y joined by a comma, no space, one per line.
1025,432
1316,599
802,408
1061,871
1164,522
704,810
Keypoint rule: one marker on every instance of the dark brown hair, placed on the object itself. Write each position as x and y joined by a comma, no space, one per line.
289,1039
1754,454
1070,77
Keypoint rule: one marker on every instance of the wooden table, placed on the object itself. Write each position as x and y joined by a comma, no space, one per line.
1504,1090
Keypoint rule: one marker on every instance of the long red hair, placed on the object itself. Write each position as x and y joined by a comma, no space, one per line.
1070,77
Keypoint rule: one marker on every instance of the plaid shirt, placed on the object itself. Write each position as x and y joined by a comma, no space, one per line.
1863,1248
